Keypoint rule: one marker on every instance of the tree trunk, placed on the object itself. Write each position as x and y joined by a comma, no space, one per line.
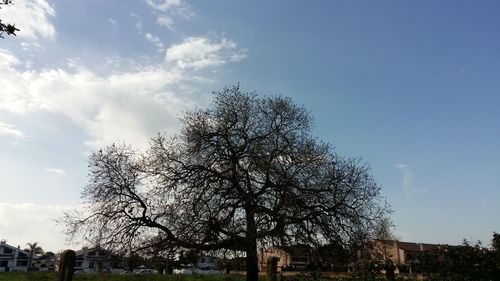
252,262
30,261
252,259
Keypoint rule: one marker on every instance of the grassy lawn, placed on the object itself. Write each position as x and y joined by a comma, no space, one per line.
51,276
46,276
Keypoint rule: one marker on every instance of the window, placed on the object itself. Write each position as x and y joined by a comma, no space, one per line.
91,264
22,263
7,251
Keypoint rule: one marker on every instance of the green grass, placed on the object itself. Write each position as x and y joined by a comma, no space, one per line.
51,276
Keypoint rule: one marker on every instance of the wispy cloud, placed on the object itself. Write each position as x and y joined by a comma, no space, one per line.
138,22
202,52
164,5
166,10
165,21
112,21
56,171
407,177
10,131
7,59
155,40
408,184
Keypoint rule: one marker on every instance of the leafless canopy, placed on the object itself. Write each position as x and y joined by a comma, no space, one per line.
242,172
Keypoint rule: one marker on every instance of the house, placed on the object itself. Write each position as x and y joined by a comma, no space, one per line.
206,262
329,257
98,260
47,262
290,257
400,253
334,258
12,258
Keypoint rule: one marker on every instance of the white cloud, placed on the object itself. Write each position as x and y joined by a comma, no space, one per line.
59,172
165,21
123,107
407,177
408,184
112,21
30,45
138,22
167,9
7,59
164,5
21,224
11,131
201,52
32,17
155,40
128,107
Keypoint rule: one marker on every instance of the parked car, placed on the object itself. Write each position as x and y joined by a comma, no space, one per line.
146,271
195,270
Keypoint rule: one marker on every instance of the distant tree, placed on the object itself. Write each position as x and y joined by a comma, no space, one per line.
190,257
495,241
134,261
384,240
384,230
8,29
34,250
464,262
242,172
49,254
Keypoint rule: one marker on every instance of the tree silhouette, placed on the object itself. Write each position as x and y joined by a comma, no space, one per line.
8,29
495,241
242,173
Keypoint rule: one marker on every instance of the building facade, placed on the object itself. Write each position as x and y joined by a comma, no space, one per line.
400,253
98,260
12,258
290,257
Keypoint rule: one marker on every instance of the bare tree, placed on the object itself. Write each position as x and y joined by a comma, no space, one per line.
8,29
246,171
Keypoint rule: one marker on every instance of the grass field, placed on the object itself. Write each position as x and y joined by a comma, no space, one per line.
51,276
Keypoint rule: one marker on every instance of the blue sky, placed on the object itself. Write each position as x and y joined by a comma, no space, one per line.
412,87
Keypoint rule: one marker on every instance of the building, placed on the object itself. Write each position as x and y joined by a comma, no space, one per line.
98,260
12,258
330,257
400,252
334,258
46,262
290,257
207,262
